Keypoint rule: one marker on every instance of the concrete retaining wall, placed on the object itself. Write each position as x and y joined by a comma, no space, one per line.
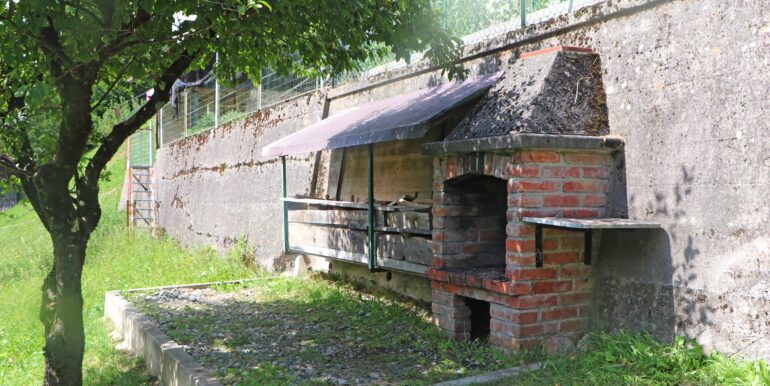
686,84
215,188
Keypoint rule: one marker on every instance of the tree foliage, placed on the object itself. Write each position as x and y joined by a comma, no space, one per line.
64,62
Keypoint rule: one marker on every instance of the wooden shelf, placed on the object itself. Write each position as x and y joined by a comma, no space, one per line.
358,205
361,258
411,231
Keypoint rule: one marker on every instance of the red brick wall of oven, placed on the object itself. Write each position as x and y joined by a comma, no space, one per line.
529,306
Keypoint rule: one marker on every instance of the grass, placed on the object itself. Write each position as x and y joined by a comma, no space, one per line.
638,359
115,261
368,332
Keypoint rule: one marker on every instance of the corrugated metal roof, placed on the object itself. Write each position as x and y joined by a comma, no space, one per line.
403,117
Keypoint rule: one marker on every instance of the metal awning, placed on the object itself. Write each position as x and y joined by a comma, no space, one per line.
403,117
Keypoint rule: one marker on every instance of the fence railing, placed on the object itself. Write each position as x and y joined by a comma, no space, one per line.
203,108
141,147
9,195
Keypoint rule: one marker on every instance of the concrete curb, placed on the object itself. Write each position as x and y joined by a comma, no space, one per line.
164,357
491,376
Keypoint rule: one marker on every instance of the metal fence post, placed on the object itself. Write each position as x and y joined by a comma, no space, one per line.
216,96
160,127
259,91
523,12
284,206
216,102
184,113
372,248
150,146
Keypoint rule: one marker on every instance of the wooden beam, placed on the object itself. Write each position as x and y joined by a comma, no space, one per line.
408,222
356,205
336,163
360,258
415,249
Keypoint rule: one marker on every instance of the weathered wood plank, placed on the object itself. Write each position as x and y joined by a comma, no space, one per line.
343,239
330,217
400,222
399,168
335,173
414,220
422,232
393,246
361,258
356,205
399,247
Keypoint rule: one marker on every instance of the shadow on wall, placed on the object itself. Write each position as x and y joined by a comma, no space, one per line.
640,284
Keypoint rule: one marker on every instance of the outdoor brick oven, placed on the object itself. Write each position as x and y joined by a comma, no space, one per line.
533,149
483,259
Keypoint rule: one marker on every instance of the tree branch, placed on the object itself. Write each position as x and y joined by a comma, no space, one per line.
7,163
49,40
123,130
23,150
127,29
79,8
88,186
113,84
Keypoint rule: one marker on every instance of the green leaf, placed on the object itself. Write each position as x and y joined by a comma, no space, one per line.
39,95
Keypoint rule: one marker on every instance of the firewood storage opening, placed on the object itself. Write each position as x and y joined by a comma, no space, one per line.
480,319
481,204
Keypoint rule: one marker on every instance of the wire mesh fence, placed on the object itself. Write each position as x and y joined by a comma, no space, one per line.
141,148
216,103
202,108
9,193
476,21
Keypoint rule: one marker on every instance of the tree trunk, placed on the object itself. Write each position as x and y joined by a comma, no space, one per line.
61,311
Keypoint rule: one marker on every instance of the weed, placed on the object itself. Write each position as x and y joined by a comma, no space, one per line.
626,358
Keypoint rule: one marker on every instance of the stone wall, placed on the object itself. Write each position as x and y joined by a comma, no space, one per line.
686,84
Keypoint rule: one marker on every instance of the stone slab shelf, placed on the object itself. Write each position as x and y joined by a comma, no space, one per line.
586,225
590,223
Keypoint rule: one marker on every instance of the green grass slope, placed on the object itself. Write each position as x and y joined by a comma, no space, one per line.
115,261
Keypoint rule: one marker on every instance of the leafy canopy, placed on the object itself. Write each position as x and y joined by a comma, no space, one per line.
116,48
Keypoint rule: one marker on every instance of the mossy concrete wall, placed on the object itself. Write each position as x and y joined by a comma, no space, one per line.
215,188
686,86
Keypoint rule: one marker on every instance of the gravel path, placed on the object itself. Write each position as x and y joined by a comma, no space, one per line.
303,334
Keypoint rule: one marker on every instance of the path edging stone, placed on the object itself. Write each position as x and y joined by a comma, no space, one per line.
491,376
163,357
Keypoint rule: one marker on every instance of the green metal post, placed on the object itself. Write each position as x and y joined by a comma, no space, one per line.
370,209
285,208
523,12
